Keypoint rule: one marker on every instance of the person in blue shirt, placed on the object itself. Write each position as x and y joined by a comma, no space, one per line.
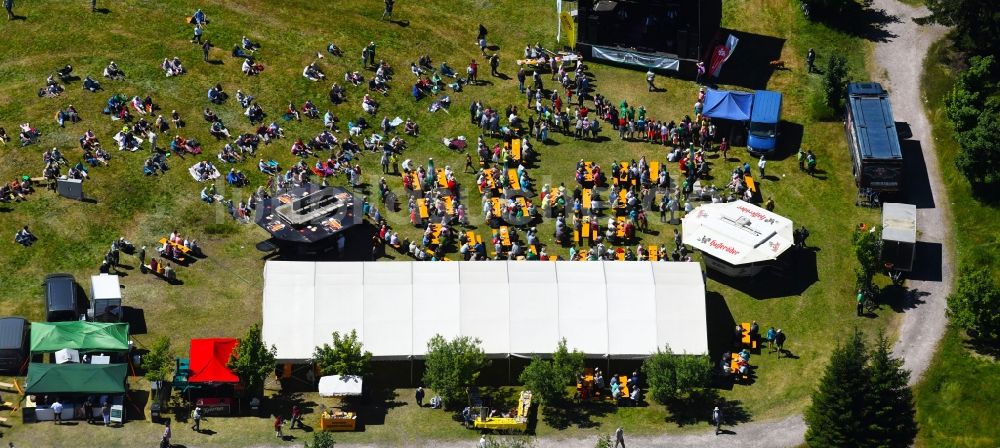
198,18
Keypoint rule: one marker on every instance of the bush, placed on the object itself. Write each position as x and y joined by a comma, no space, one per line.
159,361
252,360
452,366
974,303
344,357
835,82
818,109
673,377
321,439
867,250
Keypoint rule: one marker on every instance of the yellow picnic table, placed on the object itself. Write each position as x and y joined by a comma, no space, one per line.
449,205
422,208
416,180
496,207
654,253
435,233
654,170
585,201
512,178
620,227
588,171
524,206
441,179
515,149
505,236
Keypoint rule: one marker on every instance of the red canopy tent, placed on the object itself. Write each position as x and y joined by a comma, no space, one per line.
209,358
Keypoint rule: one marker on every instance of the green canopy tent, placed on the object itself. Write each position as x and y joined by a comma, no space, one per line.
82,336
75,378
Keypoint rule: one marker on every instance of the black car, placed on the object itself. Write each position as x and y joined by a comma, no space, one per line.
62,300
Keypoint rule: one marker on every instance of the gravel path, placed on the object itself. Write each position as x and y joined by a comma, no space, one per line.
901,55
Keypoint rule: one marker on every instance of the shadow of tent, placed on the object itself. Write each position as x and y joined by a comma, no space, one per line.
750,65
927,262
791,277
720,324
136,319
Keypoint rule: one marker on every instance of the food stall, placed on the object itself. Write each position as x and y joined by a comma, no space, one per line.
515,420
336,418
737,239
72,383
205,378
899,236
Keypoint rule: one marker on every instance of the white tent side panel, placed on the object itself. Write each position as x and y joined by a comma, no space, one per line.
631,308
680,307
436,303
288,308
339,301
388,309
534,307
583,306
485,304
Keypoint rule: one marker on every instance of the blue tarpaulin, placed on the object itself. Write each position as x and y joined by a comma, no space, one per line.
727,105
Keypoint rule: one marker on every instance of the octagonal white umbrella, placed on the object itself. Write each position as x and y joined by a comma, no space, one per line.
737,232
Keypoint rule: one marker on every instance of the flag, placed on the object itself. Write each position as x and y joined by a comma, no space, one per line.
722,53
559,20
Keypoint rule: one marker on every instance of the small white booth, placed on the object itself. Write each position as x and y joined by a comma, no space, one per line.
738,239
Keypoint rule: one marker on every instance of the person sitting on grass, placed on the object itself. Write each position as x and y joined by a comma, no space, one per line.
255,113
219,131
310,110
239,53
354,78
113,72
334,50
446,70
24,237
267,168
172,67
336,94
369,105
411,128
209,115
313,73
216,95
251,68
244,99
236,178
91,84
299,149
249,45
330,121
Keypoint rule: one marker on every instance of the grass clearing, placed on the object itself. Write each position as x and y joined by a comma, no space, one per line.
959,380
221,294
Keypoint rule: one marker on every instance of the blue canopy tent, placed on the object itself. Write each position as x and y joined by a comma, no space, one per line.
728,105
732,106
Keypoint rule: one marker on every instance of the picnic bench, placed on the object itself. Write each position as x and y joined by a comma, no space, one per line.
435,234
505,236
515,149
524,206
654,171
449,205
416,180
515,184
586,200
620,227
495,202
422,209
185,251
588,171
747,340
654,253
751,185
473,237
442,180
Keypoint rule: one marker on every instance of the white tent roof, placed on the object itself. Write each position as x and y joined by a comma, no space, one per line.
619,309
105,286
340,386
737,232
899,222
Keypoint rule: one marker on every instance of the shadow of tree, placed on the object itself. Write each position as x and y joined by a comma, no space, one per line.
860,20
563,415
697,408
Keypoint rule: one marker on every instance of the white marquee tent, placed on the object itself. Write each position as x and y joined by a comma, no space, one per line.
617,309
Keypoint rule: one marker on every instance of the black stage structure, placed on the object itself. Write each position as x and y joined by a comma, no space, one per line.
665,35
310,220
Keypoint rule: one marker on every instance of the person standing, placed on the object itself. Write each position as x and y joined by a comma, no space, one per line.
93,5
166,434
717,419
419,395
296,417
678,241
469,168
724,149
620,437
9,6
88,411
387,14
106,413
196,419
779,342
760,166
861,303
520,79
650,77
494,64
277,426
197,34
57,409
801,157
701,71
811,61
205,48
663,207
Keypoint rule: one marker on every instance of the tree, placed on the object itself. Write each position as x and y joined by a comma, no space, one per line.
452,366
979,160
673,377
976,23
968,97
542,378
835,81
160,360
892,419
867,250
253,361
344,357
974,303
836,415
567,364
547,380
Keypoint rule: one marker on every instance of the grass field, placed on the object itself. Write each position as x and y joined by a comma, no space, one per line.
220,295
959,379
